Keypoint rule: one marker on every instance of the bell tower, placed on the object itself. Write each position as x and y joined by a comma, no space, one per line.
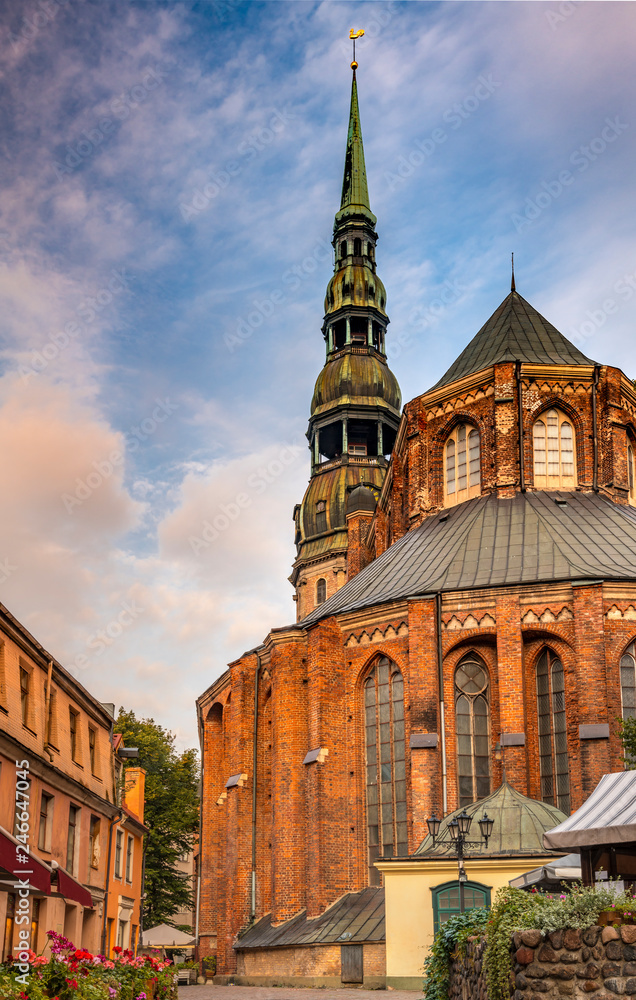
355,410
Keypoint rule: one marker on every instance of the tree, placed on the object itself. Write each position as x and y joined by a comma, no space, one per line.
627,733
171,814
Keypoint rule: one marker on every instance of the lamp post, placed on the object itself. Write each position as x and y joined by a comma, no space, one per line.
458,830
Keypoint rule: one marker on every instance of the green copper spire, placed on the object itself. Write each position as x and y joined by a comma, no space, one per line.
355,193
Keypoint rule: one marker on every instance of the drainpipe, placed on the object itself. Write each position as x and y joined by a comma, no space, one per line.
140,933
442,720
254,767
595,429
116,819
47,715
522,471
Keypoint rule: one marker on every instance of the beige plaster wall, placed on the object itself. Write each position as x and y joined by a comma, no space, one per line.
409,906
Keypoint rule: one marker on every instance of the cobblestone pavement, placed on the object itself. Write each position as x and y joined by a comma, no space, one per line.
287,993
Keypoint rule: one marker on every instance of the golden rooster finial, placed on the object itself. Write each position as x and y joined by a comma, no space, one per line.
353,34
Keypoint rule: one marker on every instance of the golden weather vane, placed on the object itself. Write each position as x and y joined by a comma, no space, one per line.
353,35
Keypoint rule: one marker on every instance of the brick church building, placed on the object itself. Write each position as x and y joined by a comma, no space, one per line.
464,579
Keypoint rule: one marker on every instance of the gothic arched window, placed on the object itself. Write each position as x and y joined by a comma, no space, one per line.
321,516
321,591
462,475
386,767
553,442
628,682
472,715
553,744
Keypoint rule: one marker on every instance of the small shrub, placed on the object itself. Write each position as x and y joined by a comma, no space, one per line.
451,935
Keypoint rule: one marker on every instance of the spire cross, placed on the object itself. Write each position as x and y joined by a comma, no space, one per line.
353,35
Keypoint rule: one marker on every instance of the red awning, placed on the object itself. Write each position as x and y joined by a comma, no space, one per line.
23,867
70,888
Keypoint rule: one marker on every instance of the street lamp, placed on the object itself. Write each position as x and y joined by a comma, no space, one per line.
458,830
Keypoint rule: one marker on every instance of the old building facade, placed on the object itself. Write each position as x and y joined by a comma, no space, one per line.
66,796
490,602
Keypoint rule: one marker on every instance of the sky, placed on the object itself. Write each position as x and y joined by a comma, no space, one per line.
169,174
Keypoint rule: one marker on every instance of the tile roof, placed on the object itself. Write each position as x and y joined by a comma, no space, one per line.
490,542
514,332
355,917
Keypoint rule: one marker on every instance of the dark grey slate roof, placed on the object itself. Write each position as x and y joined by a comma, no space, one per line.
514,332
490,542
356,917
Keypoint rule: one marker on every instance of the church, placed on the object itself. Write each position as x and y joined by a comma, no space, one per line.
466,603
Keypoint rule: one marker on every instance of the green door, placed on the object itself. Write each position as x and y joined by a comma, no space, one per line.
446,900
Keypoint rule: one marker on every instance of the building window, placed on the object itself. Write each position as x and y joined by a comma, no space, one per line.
129,859
35,923
628,682
72,840
46,819
25,694
357,448
553,747
321,516
446,900
553,443
95,844
385,761
121,934
472,714
119,841
74,732
631,472
462,464
92,736
321,591
9,925
343,248
357,247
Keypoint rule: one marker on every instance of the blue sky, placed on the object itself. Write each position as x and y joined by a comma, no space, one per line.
170,173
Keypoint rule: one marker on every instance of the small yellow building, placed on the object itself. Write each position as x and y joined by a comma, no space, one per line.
423,891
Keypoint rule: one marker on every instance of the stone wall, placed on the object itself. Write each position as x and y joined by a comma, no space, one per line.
598,963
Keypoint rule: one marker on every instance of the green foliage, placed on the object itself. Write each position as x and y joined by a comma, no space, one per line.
171,814
451,935
627,733
511,910
580,907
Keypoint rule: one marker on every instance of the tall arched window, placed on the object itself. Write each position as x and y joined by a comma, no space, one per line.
553,745
321,591
343,248
357,247
386,769
472,714
462,464
554,451
628,682
631,472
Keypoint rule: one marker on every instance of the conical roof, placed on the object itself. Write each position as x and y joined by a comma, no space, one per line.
519,825
514,332
355,193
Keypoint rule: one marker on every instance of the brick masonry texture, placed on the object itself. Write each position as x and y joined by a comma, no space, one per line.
310,832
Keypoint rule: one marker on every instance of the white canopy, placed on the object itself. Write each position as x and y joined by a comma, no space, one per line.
607,817
567,869
164,936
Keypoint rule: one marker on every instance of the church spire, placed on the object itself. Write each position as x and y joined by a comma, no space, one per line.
355,193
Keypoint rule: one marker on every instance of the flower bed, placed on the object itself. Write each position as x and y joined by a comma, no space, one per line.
74,974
